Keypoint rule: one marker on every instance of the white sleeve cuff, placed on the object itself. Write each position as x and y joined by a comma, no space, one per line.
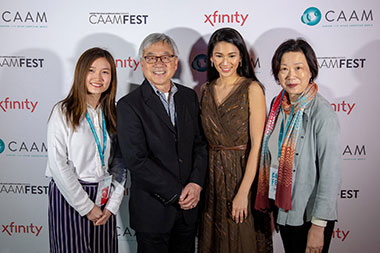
318,222
86,208
116,197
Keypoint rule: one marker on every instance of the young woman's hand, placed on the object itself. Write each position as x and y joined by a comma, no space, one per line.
240,208
94,214
103,220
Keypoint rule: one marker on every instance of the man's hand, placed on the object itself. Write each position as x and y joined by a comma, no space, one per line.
190,196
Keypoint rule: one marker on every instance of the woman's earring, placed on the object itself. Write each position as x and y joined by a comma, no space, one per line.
212,64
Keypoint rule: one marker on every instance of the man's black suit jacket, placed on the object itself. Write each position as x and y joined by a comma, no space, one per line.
162,158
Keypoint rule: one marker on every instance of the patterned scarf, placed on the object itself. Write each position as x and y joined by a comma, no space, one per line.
284,177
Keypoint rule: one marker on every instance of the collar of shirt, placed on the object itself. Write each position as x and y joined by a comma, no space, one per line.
95,115
172,91
168,101
90,108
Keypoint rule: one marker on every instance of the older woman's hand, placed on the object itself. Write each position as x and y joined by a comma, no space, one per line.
315,239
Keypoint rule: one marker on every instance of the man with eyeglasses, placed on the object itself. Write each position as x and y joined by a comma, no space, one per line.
164,149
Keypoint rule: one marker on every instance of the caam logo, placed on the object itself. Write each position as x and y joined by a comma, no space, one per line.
337,17
349,194
7,105
15,148
21,62
236,17
340,62
256,64
2,146
117,18
199,63
126,234
343,107
23,19
311,16
23,188
13,229
354,153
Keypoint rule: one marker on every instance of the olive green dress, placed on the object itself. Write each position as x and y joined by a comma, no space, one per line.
226,127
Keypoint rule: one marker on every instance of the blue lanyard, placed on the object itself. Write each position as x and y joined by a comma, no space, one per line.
101,152
282,134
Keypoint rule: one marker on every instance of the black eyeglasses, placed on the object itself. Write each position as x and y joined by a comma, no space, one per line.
154,59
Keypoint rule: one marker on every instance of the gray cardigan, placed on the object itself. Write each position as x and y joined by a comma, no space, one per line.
316,165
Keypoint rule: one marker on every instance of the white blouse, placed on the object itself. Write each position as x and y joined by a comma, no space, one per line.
73,155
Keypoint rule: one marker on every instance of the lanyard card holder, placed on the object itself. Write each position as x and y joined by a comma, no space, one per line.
273,183
104,188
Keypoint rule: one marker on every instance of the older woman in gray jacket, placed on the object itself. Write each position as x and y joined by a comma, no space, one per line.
300,167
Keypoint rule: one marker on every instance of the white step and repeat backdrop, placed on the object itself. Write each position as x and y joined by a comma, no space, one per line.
40,42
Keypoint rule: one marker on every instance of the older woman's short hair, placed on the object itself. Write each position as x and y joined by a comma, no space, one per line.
154,38
298,45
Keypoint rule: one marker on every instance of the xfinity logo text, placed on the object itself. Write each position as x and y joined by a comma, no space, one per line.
13,228
343,107
105,18
340,234
7,104
219,18
127,63
20,62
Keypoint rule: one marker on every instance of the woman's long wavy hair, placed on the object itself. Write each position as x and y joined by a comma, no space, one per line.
75,104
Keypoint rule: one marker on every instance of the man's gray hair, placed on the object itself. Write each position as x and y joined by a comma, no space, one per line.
154,38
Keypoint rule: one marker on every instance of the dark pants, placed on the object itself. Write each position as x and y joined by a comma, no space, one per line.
294,238
181,239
